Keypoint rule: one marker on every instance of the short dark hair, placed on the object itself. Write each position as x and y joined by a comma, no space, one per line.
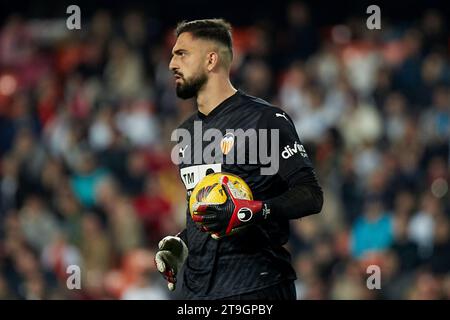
217,30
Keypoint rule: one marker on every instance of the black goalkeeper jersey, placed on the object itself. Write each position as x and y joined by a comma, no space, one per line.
255,257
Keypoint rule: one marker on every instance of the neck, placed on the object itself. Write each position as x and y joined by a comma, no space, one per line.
214,93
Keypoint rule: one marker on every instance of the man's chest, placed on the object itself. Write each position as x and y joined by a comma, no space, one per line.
219,146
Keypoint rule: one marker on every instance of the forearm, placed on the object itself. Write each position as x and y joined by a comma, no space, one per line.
303,198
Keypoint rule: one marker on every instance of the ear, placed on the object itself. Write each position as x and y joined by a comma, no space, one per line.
212,60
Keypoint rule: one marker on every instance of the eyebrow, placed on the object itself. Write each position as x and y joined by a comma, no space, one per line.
179,51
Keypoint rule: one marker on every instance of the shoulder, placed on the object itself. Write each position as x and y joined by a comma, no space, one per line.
257,103
267,112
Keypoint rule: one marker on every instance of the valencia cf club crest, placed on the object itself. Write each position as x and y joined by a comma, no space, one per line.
227,143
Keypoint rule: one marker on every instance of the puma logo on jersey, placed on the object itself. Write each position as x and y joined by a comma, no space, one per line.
289,151
182,150
281,115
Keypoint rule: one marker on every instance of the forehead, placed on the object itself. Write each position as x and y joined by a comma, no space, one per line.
186,41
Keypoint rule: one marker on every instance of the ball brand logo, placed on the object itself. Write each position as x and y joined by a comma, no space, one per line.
203,193
244,214
227,143
289,152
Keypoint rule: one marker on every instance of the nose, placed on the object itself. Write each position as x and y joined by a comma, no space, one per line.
172,64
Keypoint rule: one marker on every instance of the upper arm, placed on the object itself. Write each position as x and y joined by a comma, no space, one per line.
290,154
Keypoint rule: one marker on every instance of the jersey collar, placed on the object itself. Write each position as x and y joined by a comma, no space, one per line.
221,107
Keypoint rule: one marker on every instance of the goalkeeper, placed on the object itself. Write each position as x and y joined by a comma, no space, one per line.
252,264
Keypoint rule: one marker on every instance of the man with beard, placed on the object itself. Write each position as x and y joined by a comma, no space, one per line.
252,264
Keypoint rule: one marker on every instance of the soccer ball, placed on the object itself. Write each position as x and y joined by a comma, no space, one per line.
210,190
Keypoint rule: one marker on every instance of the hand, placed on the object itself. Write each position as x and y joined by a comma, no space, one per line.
221,219
170,258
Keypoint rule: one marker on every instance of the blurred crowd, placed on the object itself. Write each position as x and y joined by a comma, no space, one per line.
86,177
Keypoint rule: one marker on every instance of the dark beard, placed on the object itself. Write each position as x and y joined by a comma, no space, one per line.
190,88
